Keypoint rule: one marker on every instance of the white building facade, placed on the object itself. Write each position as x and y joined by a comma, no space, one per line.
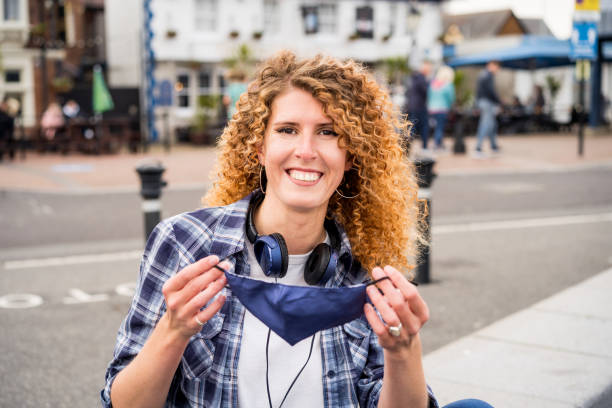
17,64
193,38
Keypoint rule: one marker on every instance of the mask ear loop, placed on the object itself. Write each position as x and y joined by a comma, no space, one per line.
382,279
262,174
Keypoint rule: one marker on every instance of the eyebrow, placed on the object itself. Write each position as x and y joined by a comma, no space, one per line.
290,123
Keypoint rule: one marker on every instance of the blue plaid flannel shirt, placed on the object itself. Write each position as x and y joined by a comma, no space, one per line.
207,374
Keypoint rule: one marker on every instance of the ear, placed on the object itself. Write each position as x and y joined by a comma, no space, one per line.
349,163
260,155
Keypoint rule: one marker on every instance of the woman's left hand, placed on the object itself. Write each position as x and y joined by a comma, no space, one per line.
400,305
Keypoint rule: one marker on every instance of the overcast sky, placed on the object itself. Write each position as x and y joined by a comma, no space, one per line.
556,13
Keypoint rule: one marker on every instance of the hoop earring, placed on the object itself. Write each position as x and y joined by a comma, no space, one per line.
261,175
343,196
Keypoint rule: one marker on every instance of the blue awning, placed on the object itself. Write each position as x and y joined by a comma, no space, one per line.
531,52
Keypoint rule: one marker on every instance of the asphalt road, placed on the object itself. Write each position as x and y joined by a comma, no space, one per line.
500,243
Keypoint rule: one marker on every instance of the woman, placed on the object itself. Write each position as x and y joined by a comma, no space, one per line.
52,120
311,161
440,99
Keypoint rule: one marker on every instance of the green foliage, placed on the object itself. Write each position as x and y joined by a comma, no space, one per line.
396,68
464,95
554,85
62,83
205,111
242,59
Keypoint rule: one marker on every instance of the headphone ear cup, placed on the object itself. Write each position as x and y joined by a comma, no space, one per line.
321,265
272,254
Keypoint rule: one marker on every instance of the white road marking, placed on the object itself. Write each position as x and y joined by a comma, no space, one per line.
20,301
79,296
73,260
439,230
513,187
522,224
126,289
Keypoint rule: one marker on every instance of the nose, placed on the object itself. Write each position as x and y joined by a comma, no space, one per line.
305,149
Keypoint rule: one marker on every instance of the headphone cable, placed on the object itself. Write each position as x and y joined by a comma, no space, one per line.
296,377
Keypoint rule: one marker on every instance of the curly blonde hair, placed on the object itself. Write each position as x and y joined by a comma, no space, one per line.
382,222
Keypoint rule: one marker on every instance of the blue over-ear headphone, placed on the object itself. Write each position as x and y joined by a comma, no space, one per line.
273,257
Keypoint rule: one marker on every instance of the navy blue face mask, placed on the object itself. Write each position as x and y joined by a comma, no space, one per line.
297,312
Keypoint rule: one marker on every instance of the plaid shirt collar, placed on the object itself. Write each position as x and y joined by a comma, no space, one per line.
229,236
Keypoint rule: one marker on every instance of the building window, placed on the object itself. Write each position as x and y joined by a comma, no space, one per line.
221,79
311,19
182,90
204,80
11,10
413,16
271,17
206,15
364,23
12,76
320,19
327,18
392,18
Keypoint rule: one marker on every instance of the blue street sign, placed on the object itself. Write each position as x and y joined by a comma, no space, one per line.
164,95
583,42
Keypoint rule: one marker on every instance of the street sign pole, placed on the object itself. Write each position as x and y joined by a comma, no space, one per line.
580,72
583,50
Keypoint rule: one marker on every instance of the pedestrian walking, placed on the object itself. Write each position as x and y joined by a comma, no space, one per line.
311,186
440,99
236,87
488,103
7,129
416,103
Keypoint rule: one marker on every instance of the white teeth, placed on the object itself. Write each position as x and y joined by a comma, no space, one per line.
304,175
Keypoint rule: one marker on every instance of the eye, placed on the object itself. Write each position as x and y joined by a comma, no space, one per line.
286,130
328,132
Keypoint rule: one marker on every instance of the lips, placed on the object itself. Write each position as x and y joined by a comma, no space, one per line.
302,175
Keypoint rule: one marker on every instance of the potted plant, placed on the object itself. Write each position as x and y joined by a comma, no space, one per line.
353,36
554,85
201,130
62,84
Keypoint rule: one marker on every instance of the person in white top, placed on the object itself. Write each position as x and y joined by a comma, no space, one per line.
313,195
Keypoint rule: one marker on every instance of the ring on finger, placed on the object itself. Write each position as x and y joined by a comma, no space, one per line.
198,321
395,331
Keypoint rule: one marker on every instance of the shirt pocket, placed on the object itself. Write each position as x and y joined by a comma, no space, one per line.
198,357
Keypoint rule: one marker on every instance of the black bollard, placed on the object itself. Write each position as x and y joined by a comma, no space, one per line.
459,144
151,184
424,170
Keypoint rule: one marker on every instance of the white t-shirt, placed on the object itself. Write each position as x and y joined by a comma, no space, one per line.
284,360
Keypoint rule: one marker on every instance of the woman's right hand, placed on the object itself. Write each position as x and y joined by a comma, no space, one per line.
189,290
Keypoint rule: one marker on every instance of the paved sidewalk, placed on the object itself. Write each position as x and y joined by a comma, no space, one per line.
555,353
189,166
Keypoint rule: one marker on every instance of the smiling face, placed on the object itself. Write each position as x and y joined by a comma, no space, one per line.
304,164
